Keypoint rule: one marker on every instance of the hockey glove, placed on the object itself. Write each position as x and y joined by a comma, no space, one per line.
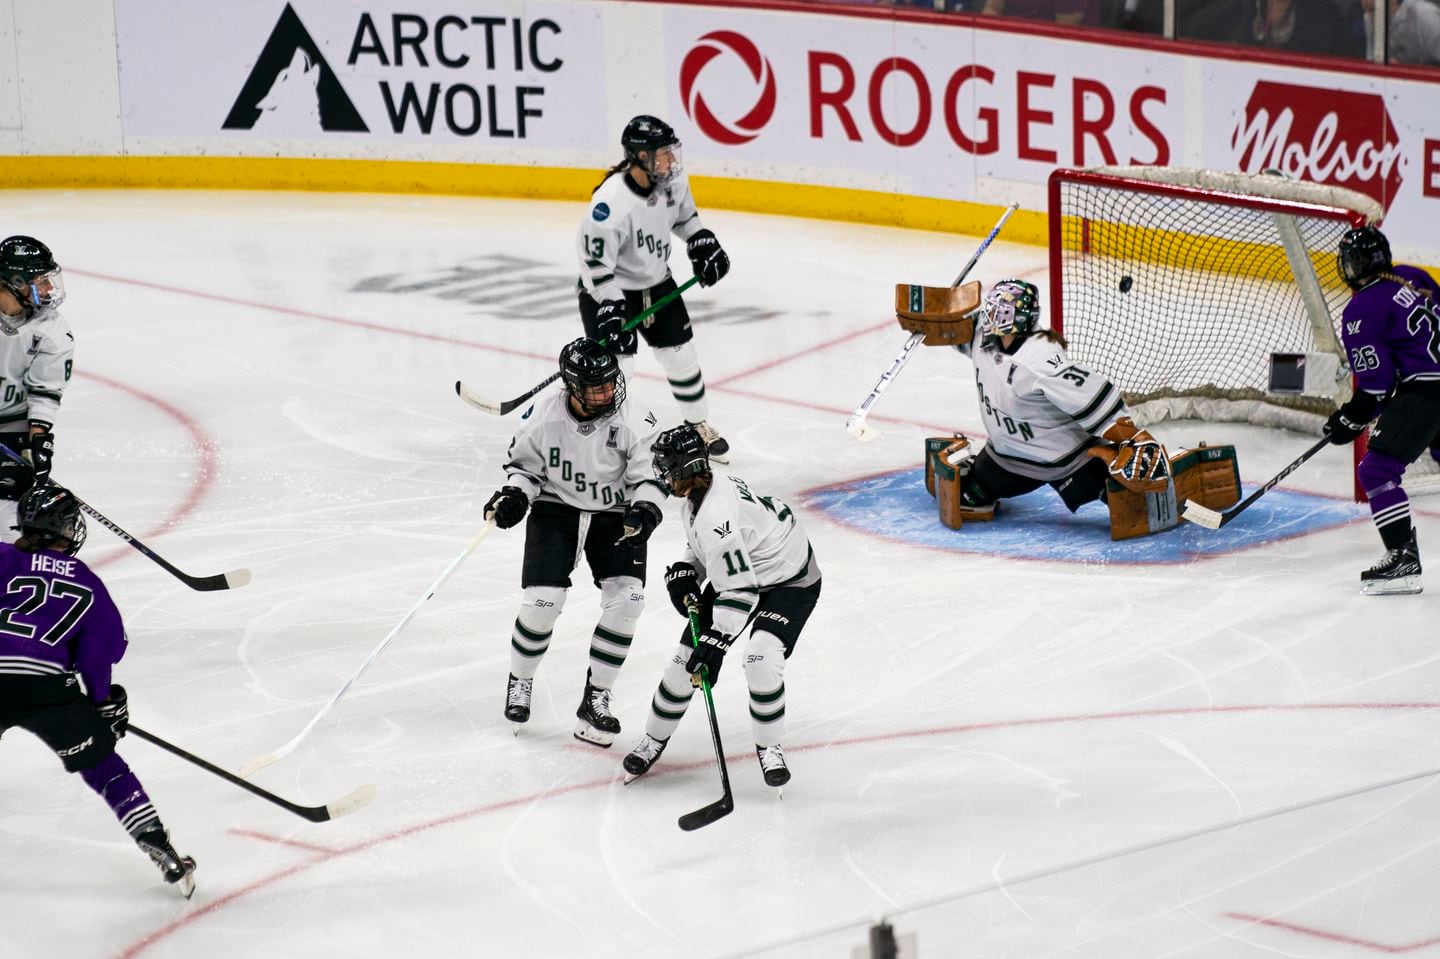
709,655
1347,423
707,258
507,507
641,518
116,710
683,583
610,322
42,456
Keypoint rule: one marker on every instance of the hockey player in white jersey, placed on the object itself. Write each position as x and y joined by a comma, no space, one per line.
624,246
36,357
759,572
1051,421
580,466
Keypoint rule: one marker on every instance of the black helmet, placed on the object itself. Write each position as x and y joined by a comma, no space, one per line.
1364,253
54,512
678,454
24,260
584,365
643,138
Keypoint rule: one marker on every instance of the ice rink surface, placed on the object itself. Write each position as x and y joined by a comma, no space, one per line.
1009,754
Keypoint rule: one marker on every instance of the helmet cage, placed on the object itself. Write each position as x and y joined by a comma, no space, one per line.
53,512
678,454
1011,307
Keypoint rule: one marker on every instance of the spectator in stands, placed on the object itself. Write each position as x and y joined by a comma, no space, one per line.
1070,13
1413,34
1303,26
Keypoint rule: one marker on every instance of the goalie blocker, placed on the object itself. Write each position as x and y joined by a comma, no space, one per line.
1207,475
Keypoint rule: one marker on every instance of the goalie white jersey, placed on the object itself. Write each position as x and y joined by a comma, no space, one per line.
624,241
1042,410
35,368
744,544
593,465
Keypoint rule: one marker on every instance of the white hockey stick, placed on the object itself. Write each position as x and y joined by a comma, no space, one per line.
856,425
260,762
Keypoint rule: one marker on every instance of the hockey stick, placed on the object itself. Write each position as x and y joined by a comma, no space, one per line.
1211,519
231,580
725,805
260,762
340,807
502,407
855,425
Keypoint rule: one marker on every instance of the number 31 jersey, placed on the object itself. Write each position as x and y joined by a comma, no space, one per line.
1042,411
624,241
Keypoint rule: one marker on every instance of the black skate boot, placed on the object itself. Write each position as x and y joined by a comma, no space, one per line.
175,868
716,445
597,724
772,764
642,757
1397,574
517,700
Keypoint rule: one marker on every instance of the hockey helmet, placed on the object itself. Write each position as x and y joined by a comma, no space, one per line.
1011,306
29,272
650,142
53,512
679,453
592,377
1364,253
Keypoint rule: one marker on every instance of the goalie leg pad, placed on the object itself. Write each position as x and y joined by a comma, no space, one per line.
1208,476
1133,513
951,468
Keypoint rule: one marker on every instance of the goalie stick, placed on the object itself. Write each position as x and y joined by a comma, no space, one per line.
260,762
340,807
502,407
725,805
1211,519
231,580
856,425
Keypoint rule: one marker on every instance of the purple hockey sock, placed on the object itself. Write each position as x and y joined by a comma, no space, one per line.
117,785
1380,473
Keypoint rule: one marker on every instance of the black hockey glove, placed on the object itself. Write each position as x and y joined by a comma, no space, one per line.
116,710
709,654
683,583
1347,423
641,518
610,319
707,258
42,456
507,507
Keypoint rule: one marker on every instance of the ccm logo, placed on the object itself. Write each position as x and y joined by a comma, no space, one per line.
73,750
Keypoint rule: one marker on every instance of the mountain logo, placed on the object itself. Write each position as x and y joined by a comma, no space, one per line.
292,82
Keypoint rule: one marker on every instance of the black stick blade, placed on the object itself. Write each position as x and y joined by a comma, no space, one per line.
704,816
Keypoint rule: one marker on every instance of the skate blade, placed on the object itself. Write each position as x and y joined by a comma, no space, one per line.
587,733
186,883
631,777
1404,586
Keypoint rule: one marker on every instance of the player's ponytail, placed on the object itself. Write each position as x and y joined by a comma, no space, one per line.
617,168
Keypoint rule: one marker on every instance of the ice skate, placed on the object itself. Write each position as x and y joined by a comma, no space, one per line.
517,701
716,446
176,869
772,764
642,757
1395,575
597,724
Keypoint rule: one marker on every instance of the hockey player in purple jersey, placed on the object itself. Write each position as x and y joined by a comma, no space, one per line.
1391,331
59,628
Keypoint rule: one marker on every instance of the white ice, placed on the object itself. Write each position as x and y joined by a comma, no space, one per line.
981,744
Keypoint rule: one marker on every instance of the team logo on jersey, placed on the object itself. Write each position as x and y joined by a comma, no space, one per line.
524,416
1352,327
723,530
613,442
585,429
650,419
601,213
34,345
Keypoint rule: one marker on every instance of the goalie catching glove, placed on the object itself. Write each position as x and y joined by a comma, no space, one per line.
1136,460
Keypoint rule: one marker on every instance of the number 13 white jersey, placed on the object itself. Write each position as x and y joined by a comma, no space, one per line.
624,241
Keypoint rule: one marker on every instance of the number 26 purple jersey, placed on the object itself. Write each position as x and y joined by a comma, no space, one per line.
1392,332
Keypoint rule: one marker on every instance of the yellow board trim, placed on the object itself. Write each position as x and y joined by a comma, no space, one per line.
472,179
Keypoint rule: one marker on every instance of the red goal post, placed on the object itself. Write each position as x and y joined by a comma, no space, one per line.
1205,295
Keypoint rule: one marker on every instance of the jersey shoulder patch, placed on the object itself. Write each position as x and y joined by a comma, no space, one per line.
601,212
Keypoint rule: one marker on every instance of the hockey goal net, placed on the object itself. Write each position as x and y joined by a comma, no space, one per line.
1205,295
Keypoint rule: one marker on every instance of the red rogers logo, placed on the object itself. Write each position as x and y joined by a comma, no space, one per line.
707,48
1335,137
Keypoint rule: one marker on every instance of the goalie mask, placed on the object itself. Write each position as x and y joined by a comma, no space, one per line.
679,454
651,144
592,377
52,512
1011,307
1364,254
29,272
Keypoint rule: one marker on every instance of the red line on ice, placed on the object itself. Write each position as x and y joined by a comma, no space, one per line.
1333,936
